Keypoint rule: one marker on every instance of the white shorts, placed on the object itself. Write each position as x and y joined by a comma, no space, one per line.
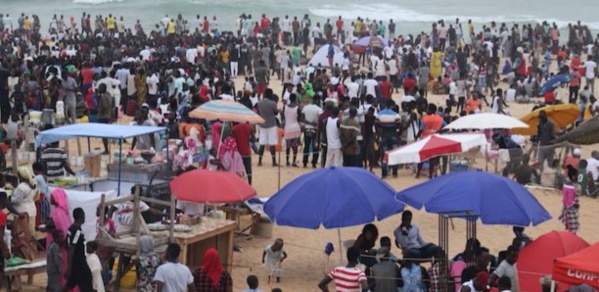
267,136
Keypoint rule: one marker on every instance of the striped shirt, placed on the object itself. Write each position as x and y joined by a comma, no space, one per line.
53,159
347,279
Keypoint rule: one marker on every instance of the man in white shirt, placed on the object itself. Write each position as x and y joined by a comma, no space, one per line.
590,67
190,55
173,276
310,114
152,82
352,88
593,164
370,84
508,268
334,155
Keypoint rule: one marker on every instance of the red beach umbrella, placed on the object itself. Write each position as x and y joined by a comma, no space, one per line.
206,186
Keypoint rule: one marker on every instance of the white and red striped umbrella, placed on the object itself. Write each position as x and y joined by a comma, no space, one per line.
434,145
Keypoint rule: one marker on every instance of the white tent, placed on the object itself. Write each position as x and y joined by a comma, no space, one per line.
320,58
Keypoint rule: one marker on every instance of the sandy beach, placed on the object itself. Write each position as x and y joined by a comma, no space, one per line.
307,262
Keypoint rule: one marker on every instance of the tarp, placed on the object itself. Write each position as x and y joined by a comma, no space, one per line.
321,57
578,268
88,201
95,130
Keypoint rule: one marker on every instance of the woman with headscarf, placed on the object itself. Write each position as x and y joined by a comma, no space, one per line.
59,217
59,220
23,197
147,264
211,276
230,158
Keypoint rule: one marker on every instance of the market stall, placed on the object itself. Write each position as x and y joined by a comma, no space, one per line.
107,131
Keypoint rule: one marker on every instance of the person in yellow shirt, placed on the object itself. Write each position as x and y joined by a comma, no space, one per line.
170,27
110,24
358,26
27,24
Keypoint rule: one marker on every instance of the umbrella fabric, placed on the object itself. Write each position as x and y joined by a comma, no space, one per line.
586,133
537,257
434,145
226,110
483,121
493,198
387,116
555,82
379,41
581,267
334,197
562,115
205,186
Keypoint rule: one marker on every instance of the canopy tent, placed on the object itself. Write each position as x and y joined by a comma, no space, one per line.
95,130
578,268
321,59
536,258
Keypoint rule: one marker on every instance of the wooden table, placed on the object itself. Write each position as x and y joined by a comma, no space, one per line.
13,274
211,232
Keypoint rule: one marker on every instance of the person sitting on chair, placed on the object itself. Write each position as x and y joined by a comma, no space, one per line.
408,238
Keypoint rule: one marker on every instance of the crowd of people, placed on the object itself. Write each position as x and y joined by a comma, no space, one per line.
347,114
474,269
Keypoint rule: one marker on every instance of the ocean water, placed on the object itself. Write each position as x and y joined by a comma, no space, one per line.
410,16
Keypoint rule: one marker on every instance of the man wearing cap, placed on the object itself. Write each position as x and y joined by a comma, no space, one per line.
477,284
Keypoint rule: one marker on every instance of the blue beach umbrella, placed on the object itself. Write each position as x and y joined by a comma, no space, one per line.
555,82
333,197
492,198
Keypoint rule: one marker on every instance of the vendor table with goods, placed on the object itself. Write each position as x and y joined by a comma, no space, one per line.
196,239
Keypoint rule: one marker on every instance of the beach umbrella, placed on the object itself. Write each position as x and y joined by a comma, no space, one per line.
492,198
333,197
226,111
387,116
483,121
537,257
562,115
206,186
555,82
581,267
375,41
434,145
586,133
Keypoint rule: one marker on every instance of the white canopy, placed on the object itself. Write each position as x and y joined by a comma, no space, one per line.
321,57
483,121
434,145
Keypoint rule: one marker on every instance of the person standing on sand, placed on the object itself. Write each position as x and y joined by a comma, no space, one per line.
309,118
331,127
267,109
570,199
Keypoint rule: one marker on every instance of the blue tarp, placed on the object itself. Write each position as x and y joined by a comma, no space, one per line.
94,130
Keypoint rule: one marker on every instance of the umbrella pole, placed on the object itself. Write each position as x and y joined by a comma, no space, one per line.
279,169
340,247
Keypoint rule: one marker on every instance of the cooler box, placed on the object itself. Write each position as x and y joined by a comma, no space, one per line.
458,165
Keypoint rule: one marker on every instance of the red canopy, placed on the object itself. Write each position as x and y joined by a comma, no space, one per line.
536,259
205,186
578,268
